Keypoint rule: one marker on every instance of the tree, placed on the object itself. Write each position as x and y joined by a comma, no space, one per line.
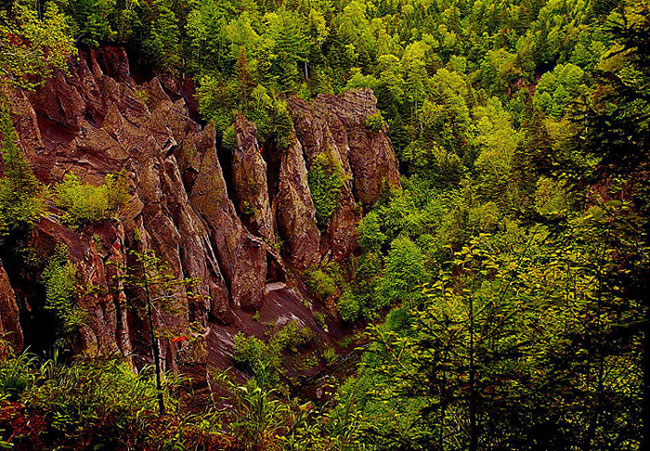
31,48
163,44
405,273
21,197
616,131
326,180
155,292
493,359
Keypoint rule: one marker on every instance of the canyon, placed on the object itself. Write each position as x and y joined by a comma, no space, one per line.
241,221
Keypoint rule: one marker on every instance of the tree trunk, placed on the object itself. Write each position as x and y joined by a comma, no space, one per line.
155,349
473,429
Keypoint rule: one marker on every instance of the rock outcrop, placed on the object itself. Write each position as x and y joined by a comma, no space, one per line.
295,210
10,328
211,218
250,182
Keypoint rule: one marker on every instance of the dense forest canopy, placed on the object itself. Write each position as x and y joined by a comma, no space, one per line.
504,284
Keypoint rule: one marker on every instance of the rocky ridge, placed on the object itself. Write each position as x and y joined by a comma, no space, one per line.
229,228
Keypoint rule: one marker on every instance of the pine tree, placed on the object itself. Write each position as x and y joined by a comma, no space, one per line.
21,201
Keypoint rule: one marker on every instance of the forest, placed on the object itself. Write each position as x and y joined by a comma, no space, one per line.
497,297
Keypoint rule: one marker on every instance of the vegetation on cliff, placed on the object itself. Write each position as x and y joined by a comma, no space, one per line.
505,282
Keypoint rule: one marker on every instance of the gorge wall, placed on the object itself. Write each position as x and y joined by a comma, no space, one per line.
242,230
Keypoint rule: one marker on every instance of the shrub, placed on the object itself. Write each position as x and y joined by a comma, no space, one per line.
217,99
117,189
405,272
21,195
326,181
271,115
263,360
16,372
61,281
370,234
359,298
321,320
96,405
348,306
141,94
375,122
291,336
87,204
229,139
258,358
93,405
330,355
551,197
324,281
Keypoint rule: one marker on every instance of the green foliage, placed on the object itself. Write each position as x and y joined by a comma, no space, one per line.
32,45
16,372
490,316
90,405
256,416
326,180
261,360
514,255
558,89
551,197
62,289
87,204
162,44
229,139
141,94
21,195
330,355
497,142
291,336
91,394
405,273
216,101
360,297
324,281
370,235
375,122
348,306
264,360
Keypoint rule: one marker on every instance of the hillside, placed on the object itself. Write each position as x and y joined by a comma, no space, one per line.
324,225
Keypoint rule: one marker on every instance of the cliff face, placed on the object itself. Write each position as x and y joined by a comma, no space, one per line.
221,225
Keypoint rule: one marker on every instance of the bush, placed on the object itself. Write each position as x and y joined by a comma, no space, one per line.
330,355
551,197
93,405
348,306
405,273
375,122
17,373
217,99
87,204
61,281
291,336
324,281
274,122
21,195
258,358
326,181
229,139
370,234
359,297
263,360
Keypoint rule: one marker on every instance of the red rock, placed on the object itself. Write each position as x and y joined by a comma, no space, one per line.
249,172
295,212
10,329
97,121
